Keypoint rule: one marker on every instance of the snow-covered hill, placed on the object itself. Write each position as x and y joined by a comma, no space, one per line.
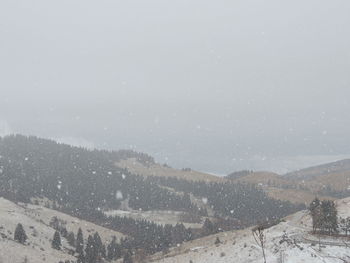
35,220
287,242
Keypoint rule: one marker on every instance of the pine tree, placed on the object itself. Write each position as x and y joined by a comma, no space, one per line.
81,258
80,243
329,217
113,250
20,234
100,250
316,214
56,241
208,227
127,257
217,241
103,251
71,239
90,251
347,225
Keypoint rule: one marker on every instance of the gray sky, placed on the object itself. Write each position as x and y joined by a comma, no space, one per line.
214,85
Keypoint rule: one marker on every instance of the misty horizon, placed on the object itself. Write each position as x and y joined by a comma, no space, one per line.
217,87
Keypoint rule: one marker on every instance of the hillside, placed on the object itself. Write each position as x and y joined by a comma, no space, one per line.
337,167
263,178
35,220
287,242
297,196
136,167
328,181
87,184
338,181
276,186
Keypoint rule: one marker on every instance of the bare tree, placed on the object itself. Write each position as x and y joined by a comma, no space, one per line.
260,238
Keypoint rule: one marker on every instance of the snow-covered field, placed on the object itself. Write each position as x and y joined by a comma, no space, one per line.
287,242
35,220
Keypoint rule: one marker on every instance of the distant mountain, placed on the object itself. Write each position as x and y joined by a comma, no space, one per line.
321,170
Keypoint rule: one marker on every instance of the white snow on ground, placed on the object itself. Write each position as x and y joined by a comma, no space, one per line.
35,220
287,242
73,224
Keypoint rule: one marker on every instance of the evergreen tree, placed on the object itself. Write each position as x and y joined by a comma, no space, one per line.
316,214
80,243
20,234
100,250
217,241
56,241
347,225
208,227
81,258
90,251
71,239
324,216
113,250
329,216
103,251
127,257
314,204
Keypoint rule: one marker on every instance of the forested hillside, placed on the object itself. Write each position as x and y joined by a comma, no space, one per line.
85,183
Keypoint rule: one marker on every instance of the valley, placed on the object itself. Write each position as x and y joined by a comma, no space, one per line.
123,201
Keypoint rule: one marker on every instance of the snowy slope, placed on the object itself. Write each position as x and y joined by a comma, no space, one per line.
35,220
287,242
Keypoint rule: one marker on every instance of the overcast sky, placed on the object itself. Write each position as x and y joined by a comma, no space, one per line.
215,85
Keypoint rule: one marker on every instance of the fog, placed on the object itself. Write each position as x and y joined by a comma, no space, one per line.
213,85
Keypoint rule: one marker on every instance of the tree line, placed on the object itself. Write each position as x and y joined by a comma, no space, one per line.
93,252
244,202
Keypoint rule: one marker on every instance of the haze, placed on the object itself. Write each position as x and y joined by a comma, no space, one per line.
214,85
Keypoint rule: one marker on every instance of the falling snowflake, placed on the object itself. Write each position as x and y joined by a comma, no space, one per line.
59,185
119,195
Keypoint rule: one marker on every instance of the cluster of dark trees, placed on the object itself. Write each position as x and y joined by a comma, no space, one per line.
245,202
149,236
324,216
83,183
21,237
344,225
238,174
83,179
143,234
79,179
95,250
